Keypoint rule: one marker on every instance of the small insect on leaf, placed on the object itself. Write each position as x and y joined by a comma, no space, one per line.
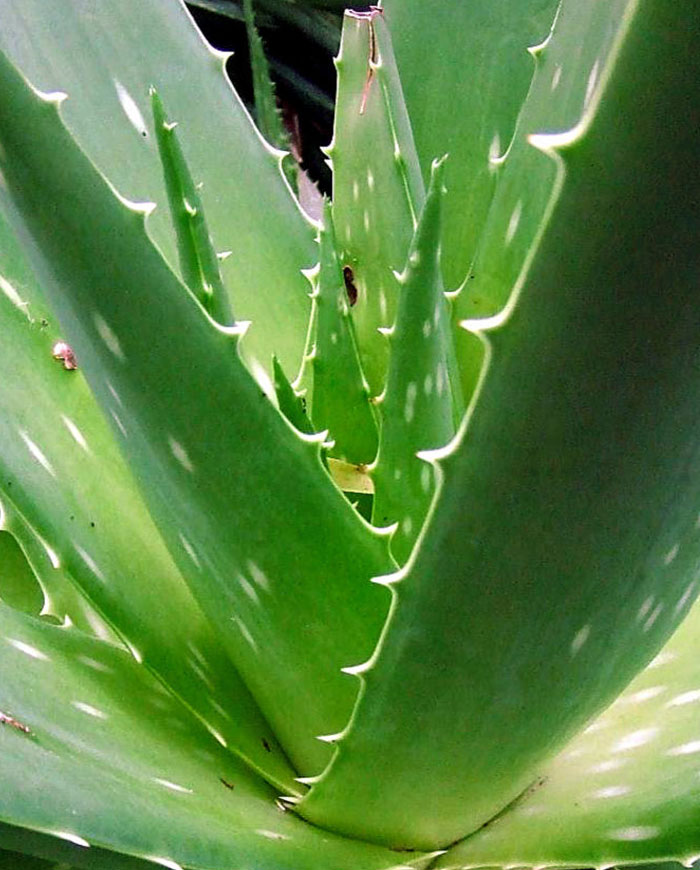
64,352
14,723
350,288
229,785
266,745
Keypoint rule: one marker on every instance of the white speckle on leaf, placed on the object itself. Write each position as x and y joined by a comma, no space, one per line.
556,77
37,453
653,616
355,190
425,478
189,549
611,791
245,631
407,525
663,658
410,406
685,698
591,83
28,649
365,221
89,709
77,435
117,420
90,562
215,734
645,608
690,748
12,295
95,665
272,835
440,379
427,328
495,148
672,553
513,222
637,832
109,337
370,179
173,786
580,639
428,384
643,695
258,575
180,454
607,765
249,589
131,110
635,739
685,597
397,474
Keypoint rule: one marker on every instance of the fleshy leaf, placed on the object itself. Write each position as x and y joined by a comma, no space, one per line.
465,72
201,437
567,76
340,395
109,759
199,263
71,502
291,403
249,208
557,556
625,790
377,187
422,404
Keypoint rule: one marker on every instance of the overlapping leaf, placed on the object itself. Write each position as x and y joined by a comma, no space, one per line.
559,554
110,760
70,500
219,467
377,187
625,790
100,61
472,56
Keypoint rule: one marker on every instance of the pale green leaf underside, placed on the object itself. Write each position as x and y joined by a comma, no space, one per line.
465,72
560,550
71,501
101,63
377,186
218,465
114,761
626,790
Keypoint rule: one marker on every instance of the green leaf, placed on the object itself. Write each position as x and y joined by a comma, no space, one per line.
266,112
111,760
340,394
199,263
72,504
291,404
561,544
250,211
567,75
19,587
201,437
465,72
377,187
419,408
626,789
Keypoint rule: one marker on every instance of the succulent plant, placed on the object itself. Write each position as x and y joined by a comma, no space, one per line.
368,542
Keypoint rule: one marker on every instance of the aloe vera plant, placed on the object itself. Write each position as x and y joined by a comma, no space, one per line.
369,542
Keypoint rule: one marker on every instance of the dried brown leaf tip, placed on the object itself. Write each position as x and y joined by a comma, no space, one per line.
63,351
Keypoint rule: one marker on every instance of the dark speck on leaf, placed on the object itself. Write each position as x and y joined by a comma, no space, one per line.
266,745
